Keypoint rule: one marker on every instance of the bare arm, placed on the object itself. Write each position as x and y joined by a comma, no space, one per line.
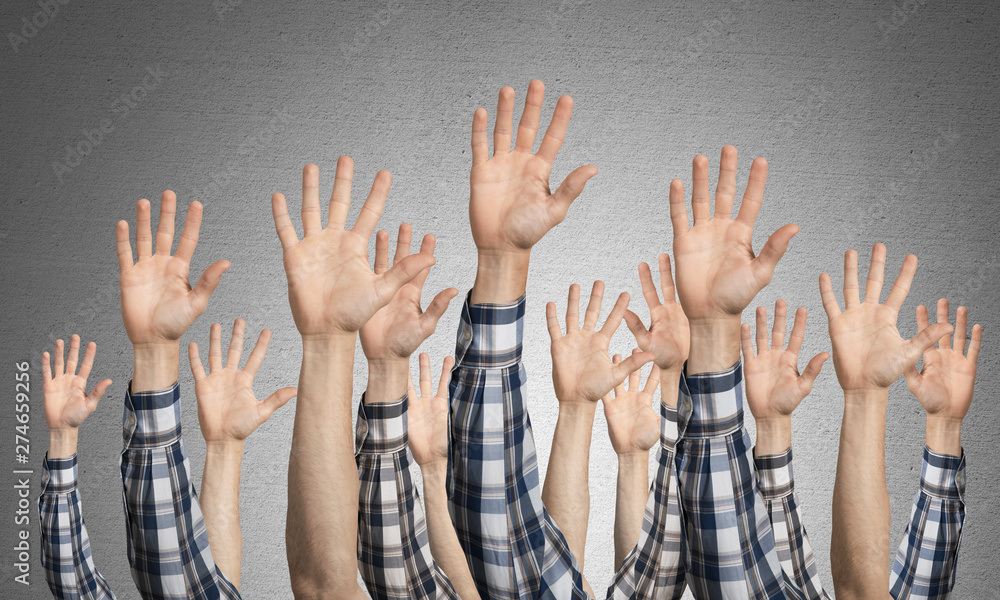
228,413
583,372
868,355
332,292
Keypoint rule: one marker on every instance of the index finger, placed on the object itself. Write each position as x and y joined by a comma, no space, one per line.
371,212
901,287
556,131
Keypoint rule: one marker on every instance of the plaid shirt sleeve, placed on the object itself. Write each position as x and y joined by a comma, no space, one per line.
925,562
394,552
731,550
514,548
66,559
795,553
168,542
655,567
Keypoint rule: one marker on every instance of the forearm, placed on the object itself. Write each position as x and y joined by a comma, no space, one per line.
927,557
566,492
500,277
445,547
65,544
777,485
155,366
630,501
860,542
322,473
220,505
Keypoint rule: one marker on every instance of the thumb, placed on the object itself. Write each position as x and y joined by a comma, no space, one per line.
639,330
771,253
622,370
811,372
276,401
97,393
570,189
927,337
401,273
209,281
437,307
913,377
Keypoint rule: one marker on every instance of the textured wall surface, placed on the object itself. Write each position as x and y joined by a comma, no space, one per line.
879,121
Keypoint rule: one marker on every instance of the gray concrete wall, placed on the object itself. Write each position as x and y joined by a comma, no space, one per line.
878,119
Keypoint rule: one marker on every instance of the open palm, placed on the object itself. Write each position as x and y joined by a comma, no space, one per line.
668,337
397,329
582,369
868,351
228,410
427,414
717,272
66,401
946,383
331,286
633,425
774,386
511,205
158,302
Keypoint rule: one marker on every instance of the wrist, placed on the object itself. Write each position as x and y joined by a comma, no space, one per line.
155,365
579,410
501,276
715,344
874,400
774,435
670,382
335,344
633,457
224,448
434,471
944,435
388,379
63,442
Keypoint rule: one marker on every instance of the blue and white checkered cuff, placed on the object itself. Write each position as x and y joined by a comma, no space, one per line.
710,405
152,419
943,476
59,475
774,473
381,427
489,335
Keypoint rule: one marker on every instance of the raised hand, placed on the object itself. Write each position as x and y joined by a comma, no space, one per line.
397,329
868,351
158,302
633,425
427,414
774,386
331,286
228,410
67,403
582,369
945,385
718,274
668,337
511,206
